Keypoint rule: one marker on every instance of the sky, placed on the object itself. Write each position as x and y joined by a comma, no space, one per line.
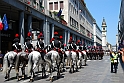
110,10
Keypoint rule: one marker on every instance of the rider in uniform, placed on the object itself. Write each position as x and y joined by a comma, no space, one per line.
16,45
28,44
52,47
62,44
40,45
70,44
79,45
57,44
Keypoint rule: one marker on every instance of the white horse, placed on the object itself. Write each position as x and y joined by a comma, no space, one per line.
53,59
8,62
72,60
82,56
35,60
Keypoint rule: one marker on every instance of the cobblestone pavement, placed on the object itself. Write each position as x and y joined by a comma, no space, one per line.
96,71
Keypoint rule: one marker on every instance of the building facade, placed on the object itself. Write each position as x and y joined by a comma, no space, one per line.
97,35
121,23
77,16
35,16
104,31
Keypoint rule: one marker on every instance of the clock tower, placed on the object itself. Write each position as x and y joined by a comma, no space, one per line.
104,30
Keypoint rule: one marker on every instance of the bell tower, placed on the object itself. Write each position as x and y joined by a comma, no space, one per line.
104,30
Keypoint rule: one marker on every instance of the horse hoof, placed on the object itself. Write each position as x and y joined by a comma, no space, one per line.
45,76
63,70
51,79
31,80
19,79
5,77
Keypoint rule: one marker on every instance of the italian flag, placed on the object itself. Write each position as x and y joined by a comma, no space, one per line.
28,1
1,24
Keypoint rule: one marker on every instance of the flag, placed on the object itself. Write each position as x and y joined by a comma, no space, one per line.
59,13
5,22
28,1
1,24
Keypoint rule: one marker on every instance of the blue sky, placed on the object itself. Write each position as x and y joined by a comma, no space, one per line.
110,10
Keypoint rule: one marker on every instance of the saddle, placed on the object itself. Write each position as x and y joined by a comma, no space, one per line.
28,51
17,50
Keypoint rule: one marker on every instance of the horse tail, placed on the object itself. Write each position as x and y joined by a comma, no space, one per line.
5,63
30,63
47,59
17,62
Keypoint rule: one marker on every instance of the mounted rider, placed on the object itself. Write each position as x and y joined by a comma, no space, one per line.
28,44
79,45
69,47
40,45
72,46
62,44
16,45
52,47
56,44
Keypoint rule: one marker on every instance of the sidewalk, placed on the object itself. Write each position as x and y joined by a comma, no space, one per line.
115,77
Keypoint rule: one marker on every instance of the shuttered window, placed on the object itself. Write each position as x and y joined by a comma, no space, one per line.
55,5
61,4
50,6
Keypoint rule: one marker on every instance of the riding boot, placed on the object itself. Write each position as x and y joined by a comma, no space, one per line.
61,56
77,55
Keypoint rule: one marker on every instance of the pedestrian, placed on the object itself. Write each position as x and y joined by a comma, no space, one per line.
1,60
114,61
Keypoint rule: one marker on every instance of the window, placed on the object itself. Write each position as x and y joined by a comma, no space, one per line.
50,6
55,5
69,6
61,4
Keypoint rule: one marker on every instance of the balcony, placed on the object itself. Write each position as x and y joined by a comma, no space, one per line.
33,4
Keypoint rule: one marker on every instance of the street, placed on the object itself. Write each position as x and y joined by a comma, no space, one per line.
96,71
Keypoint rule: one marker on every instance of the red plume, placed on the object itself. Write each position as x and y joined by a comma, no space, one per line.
51,40
78,41
55,33
29,34
41,34
16,35
60,37
70,38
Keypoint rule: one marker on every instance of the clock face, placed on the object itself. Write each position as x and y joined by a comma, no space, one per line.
103,28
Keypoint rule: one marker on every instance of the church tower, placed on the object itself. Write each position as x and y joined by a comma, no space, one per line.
104,30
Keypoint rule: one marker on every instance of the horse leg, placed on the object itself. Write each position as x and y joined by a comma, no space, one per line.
70,62
44,70
85,60
63,64
38,68
67,62
58,72
51,73
17,73
8,74
32,73
23,71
